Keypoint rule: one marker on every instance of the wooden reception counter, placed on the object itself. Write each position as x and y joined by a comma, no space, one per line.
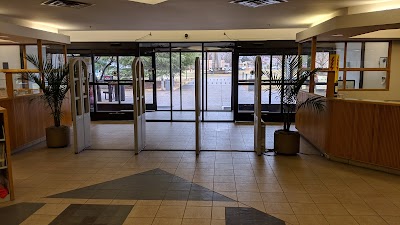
360,132
27,117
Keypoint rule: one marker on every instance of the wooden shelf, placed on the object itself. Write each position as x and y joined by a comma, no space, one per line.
6,199
6,169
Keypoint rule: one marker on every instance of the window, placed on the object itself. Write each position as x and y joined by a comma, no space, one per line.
362,65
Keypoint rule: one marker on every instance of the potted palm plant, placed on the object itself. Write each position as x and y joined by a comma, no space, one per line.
53,81
287,141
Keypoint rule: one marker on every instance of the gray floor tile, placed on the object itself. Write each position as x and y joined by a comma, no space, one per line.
76,214
155,184
249,216
16,214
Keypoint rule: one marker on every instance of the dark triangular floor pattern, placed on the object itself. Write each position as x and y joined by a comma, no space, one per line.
76,214
155,184
249,216
16,214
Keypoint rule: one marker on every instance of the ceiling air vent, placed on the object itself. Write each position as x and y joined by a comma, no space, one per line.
67,3
257,3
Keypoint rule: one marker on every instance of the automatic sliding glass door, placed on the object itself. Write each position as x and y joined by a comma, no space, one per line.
218,87
175,83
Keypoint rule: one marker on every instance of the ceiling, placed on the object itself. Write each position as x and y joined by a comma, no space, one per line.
176,14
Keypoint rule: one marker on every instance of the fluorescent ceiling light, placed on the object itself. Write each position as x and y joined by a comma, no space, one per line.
150,2
337,35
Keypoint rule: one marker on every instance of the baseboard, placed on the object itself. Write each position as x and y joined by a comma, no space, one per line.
30,144
364,165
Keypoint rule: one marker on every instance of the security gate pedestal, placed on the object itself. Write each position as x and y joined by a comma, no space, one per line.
79,81
139,105
259,136
198,105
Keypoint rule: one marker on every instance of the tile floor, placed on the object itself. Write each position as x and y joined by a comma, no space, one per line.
189,115
88,188
178,136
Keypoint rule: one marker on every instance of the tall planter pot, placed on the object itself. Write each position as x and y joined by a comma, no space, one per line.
57,137
286,142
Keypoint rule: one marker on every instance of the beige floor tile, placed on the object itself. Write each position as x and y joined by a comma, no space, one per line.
138,221
370,220
298,198
263,187
249,196
39,220
173,203
348,198
293,188
224,204
280,208
74,201
190,221
359,210
256,205
311,220
143,211
195,212
305,208
149,202
99,201
392,220
199,203
332,209
324,198
224,187
224,179
171,211
218,213
218,222
247,187
274,197
167,221
289,219
230,194
340,220
316,189
123,202
51,209
385,209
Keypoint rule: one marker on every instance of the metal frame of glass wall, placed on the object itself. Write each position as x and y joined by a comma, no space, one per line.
173,87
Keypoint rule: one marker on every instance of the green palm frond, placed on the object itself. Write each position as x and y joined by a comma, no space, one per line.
53,81
294,78
316,103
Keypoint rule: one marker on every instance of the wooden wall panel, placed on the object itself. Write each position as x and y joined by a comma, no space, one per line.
356,130
312,125
340,129
387,137
363,129
29,118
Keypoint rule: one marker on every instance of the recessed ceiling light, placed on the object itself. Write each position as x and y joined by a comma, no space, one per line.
337,35
4,37
257,3
150,2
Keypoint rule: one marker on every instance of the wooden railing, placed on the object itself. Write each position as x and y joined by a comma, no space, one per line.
355,130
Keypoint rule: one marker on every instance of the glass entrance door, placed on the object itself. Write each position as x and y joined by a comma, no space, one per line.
174,83
218,87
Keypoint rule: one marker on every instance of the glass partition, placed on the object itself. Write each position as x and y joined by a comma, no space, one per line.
9,59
